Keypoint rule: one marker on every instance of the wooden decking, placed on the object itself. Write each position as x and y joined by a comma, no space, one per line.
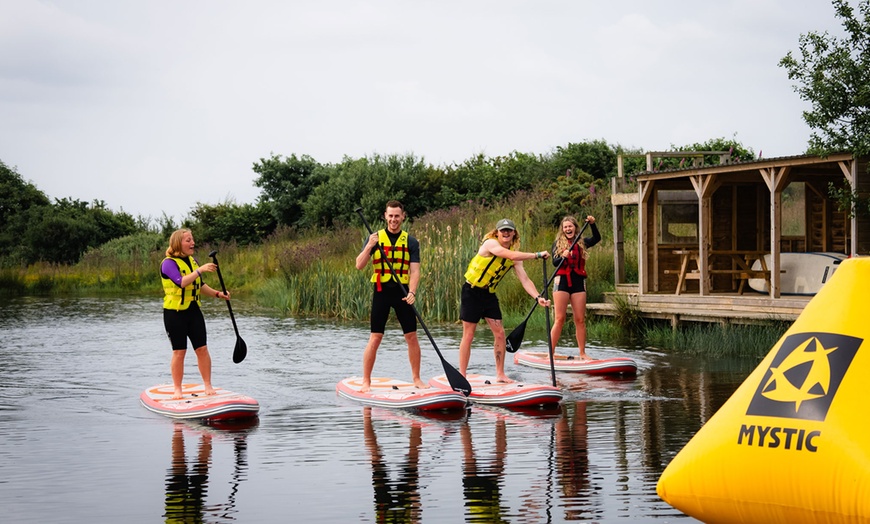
721,308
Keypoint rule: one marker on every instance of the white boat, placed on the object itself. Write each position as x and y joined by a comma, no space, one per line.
804,273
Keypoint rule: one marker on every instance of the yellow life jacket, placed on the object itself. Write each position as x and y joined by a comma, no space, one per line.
178,298
397,254
487,272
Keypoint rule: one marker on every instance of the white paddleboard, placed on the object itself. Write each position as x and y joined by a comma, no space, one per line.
805,273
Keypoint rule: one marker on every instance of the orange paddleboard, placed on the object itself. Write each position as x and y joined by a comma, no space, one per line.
485,390
392,393
196,405
605,366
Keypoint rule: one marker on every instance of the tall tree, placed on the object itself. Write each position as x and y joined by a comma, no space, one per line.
16,198
286,183
833,75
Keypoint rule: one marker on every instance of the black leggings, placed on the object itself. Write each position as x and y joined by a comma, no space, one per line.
184,324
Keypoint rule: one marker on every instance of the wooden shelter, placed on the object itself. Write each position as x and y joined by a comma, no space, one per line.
702,228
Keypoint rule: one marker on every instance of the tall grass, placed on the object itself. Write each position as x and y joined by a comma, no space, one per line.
312,273
751,341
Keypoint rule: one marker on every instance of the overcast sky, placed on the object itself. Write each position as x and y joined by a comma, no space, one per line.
153,106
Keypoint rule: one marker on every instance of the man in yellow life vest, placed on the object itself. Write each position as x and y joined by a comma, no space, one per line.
403,253
494,259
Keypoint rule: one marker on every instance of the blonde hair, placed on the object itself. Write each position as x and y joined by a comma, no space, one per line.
493,234
562,243
174,249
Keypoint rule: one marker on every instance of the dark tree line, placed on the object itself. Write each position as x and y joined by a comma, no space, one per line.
32,228
298,193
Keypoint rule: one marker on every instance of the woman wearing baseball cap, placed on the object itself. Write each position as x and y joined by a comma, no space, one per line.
496,256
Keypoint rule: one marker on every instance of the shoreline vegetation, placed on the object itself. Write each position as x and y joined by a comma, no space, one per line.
312,274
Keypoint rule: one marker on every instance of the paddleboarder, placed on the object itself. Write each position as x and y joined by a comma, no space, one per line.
182,316
403,252
569,284
495,257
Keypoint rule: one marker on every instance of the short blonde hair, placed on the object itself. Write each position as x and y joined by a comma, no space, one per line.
174,249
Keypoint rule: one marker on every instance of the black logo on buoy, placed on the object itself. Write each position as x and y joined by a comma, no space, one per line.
804,376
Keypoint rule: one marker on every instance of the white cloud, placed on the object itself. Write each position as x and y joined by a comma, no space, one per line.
155,106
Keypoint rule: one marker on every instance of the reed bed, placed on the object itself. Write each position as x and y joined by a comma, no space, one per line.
313,274
751,341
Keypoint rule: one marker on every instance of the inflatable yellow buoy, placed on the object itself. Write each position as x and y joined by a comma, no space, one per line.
792,444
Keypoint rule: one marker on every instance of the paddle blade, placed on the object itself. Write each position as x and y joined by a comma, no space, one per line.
456,380
515,339
241,351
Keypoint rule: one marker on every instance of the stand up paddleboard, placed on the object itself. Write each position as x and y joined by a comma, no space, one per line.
803,273
196,405
392,393
486,390
606,366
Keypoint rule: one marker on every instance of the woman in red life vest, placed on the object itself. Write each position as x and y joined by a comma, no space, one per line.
569,284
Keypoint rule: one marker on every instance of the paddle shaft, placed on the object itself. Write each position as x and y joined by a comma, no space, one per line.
224,289
521,328
456,380
241,349
550,345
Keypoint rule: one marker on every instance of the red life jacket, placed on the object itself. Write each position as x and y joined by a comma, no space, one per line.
574,263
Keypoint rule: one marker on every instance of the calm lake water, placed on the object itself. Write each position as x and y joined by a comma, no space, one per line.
76,445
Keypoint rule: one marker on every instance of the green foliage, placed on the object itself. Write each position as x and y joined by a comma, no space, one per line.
286,184
229,222
596,158
137,248
751,341
739,153
16,195
627,314
369,183
489,180
16,198
567,195
62,232
833,75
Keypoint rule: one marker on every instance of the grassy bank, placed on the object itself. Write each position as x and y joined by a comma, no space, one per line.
313,274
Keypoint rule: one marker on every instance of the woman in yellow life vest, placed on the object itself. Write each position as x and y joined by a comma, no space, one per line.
403,252
182,317
493,260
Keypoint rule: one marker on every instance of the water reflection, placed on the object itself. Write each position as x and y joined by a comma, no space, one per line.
572,459
395,501
187,478
483,475
596,457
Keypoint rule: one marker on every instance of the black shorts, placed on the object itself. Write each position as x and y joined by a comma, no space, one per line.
578,284
477,303
390,297
184,324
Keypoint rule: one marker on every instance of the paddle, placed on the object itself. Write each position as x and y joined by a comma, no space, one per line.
454,377
549,335
241,349
514,340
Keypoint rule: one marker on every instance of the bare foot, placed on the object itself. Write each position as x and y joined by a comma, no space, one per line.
503,379
177,395
366,386
209,390
420,384
585,358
